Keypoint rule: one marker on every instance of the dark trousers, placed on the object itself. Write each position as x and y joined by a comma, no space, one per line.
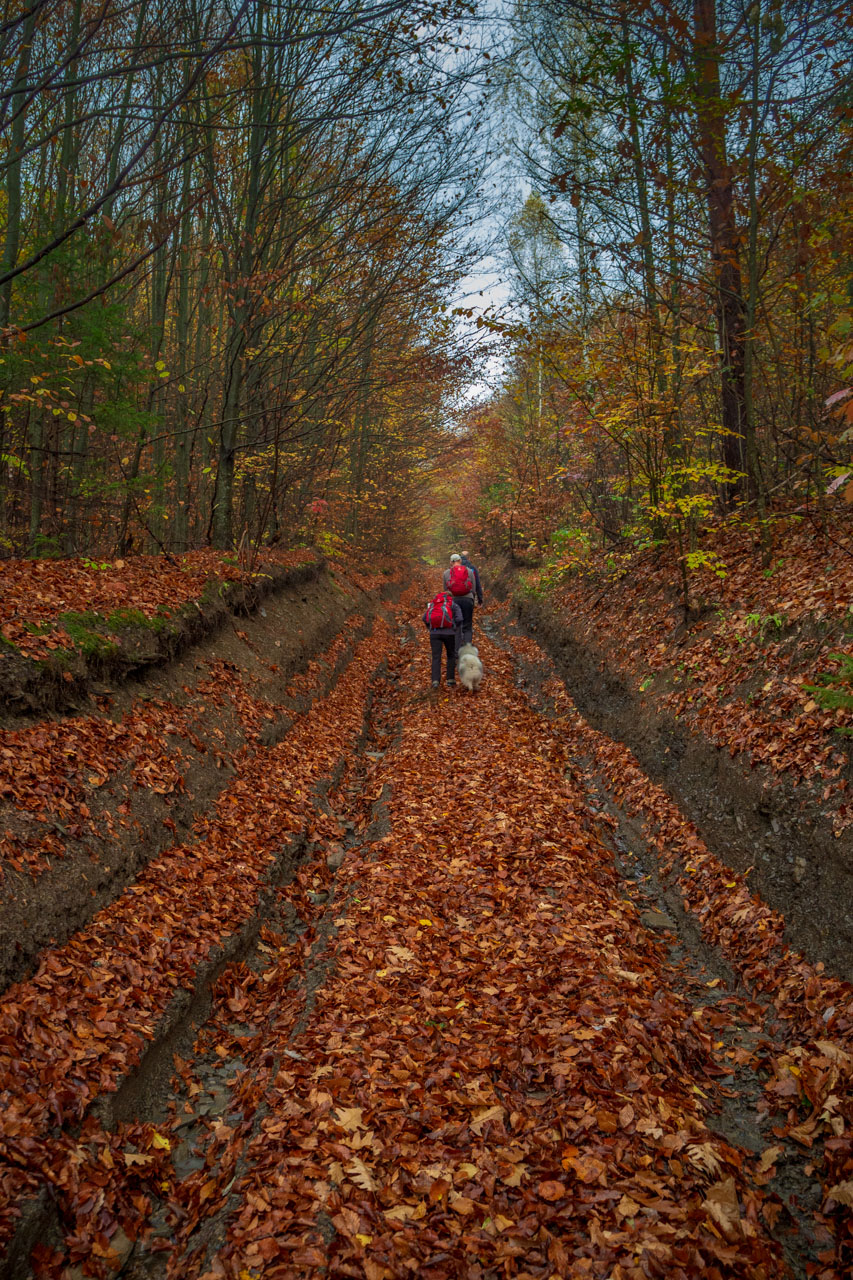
466,604
439,640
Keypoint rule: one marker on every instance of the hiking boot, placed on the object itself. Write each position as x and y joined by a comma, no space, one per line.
435,684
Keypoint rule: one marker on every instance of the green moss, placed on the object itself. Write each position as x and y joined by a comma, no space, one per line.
120,618
6,645
86,634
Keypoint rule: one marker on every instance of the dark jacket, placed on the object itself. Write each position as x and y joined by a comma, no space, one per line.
457,618
477,587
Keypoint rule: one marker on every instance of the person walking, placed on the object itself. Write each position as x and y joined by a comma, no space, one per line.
443,618
459,581
478,588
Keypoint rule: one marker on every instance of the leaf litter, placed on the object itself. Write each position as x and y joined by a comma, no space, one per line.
500,1074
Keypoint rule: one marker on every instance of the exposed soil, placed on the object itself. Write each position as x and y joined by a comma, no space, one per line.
129,822
754,820
65,680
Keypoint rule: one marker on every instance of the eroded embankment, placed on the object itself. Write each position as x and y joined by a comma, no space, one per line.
67,625
90,799
87,1041
771,825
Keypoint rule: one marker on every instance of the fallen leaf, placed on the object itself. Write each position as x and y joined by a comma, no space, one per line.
768,1157
360,1174
722,1205
349,1118
627,1208
483,1116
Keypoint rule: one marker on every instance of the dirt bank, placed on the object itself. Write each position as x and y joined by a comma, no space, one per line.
751,817
111,790
71,654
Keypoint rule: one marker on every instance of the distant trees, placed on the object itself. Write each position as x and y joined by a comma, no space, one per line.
693,160
227,235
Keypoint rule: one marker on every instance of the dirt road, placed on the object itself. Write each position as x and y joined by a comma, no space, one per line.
474,1038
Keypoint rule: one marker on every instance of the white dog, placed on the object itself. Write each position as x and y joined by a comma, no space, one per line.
470,667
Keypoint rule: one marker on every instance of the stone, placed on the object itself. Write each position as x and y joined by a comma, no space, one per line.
656,920
335,857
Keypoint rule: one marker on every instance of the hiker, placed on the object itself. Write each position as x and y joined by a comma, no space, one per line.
443,617
459,581
478,588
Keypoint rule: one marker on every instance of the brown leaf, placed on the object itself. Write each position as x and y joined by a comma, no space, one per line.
627,1208
483,1116
722,1205
349,1118
768,1157
360,1174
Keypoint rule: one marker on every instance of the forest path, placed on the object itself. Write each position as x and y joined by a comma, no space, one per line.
488,1061
466,1041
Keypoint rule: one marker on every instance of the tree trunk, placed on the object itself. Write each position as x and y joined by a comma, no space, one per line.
725,261
13,172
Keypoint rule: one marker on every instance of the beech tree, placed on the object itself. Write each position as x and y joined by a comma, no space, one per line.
212,212
693,162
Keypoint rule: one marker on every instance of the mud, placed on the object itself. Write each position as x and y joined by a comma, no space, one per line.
756,822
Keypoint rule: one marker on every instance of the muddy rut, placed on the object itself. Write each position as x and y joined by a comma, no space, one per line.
457,1015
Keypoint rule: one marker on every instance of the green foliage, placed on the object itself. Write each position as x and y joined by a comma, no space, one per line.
568,552
121,619
763,625
705,560
47,547
11,460
534,585
834,689
329,542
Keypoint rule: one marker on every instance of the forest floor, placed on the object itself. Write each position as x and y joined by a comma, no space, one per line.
726,708
432,984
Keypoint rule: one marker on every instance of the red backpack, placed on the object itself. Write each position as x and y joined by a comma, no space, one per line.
459,580
440,613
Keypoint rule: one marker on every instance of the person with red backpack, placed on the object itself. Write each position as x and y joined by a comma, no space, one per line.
459,581
443,617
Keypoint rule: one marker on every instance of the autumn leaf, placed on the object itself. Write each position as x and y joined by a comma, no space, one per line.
360,1174
349,1118
551,1190
482,1117
768,1157
721,1203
